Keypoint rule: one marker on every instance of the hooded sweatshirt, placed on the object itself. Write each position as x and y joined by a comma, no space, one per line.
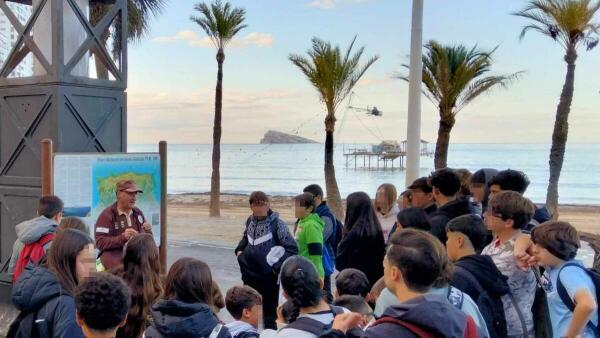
309,237
432,313
240,329
38,290
177,319
28,232
388,220
479,277
446,213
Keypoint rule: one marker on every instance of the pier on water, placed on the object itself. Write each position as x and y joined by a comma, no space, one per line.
386,155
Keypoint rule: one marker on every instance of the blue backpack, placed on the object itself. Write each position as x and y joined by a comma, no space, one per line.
566,299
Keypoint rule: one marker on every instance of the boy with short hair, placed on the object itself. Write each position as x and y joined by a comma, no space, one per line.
571,293
352,282
245,306
508,212
309,233
477,275
265,245
411,267
102,302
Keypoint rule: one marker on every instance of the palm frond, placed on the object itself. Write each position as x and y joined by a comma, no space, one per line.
220,21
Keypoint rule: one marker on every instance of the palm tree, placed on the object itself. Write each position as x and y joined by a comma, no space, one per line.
333,74
221,22
568,22
139,13
454,76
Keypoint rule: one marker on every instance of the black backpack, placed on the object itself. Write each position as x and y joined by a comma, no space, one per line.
564,295
314,326
26,326
491,309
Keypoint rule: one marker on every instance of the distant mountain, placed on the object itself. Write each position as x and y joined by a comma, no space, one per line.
277,137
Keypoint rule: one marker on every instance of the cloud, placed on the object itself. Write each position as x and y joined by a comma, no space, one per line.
194,40
329,4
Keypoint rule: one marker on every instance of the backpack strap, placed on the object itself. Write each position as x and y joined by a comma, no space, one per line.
215,332
411,327
46,239
519,313
564,295
308,325
274,231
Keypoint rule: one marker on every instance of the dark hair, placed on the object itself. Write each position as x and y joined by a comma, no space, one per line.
464,175
49,206
301,282
217,297
190,281
352,282
483,177
361,217
512,205
257,197
62,257
102,301
239,298
306,200
354,304
140,269
287,310
559,238
415,218
512,180
416,254
472,227
314,189
73,223
446,181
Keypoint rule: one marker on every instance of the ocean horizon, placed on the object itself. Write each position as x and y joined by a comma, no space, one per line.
284,169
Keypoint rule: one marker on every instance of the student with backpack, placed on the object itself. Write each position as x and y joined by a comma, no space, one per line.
332,233
44,294
309,231
34,236
572,290
265,245
477,275
186,309
302,285
413,264
244,304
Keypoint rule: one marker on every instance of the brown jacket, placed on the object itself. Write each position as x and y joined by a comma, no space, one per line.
109,233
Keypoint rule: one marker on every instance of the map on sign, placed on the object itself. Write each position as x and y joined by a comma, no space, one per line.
87,184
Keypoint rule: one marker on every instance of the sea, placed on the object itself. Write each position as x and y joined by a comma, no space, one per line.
284,169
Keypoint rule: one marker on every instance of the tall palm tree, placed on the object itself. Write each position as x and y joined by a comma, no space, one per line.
221,22
333,74
568,22
454,76
139,13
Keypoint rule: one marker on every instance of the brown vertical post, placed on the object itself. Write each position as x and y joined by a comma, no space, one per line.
162,150
47,167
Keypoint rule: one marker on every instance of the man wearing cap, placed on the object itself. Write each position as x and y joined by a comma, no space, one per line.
118,223
421,195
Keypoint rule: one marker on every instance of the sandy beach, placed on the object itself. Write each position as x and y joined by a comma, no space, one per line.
188,217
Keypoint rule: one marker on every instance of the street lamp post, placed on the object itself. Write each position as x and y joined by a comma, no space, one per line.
413,133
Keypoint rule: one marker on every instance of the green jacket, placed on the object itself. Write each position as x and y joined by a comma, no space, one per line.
309,236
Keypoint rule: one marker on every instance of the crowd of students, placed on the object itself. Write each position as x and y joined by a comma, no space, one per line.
455,255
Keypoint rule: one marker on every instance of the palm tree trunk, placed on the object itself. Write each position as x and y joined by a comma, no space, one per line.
333,192
215,179
442,144
560,133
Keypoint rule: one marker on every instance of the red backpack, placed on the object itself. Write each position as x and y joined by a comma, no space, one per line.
31,253
470,329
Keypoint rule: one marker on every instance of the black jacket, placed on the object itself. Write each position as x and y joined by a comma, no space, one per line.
478,276
446,213
177,319
362,253
432,313
38,290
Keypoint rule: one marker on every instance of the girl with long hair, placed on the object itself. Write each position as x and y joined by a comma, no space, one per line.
140,270
362,246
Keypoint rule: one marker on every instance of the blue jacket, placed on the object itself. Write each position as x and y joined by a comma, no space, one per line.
329,237
38,290
177,319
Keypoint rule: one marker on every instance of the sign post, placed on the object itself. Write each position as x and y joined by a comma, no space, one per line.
162,150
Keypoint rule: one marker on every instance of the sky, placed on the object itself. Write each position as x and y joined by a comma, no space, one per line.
172,74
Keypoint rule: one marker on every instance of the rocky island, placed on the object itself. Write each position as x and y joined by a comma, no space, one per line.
277,137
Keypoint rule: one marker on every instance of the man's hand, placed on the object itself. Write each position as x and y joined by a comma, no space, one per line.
346,321
129,232
146,226
238,253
